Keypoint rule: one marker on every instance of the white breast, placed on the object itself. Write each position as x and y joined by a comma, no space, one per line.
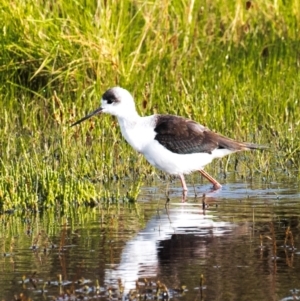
138,132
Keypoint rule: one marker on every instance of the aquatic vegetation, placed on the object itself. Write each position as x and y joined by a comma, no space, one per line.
231,66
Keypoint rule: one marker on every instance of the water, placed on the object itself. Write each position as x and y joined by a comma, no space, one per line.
237,248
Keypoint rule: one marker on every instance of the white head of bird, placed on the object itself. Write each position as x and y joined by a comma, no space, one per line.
117,102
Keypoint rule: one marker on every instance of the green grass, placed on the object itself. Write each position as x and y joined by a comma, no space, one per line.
229,66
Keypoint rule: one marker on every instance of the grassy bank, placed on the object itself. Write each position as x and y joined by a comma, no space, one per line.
233,67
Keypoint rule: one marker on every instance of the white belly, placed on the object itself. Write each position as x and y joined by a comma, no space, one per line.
172,163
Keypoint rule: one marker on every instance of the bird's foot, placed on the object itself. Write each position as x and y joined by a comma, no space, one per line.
217,186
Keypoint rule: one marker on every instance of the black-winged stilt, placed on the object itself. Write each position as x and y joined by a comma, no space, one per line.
173,144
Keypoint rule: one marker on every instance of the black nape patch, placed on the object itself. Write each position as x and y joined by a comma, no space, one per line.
110,96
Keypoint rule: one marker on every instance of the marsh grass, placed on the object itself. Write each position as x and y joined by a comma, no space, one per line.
231,66
51,232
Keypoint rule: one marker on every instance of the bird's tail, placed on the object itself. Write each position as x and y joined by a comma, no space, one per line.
250,146
236,146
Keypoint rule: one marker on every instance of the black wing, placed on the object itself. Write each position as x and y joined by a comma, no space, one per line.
184,136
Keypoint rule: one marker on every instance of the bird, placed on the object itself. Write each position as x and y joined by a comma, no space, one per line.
173,144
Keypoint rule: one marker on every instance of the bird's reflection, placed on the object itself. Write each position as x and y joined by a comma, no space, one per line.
141,255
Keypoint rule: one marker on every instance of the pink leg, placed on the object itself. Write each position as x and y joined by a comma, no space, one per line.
184,188
216,184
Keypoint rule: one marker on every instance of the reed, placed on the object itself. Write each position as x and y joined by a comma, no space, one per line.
231,66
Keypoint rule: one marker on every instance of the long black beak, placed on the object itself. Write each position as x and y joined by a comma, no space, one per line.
97,111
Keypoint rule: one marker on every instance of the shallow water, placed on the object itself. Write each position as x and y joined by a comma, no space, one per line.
230,245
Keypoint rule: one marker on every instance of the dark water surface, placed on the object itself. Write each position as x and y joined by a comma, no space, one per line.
238,248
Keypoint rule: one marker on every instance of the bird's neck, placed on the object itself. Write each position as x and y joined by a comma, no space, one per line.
128,120
136,130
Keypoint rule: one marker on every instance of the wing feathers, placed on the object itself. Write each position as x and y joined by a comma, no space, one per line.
184,136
